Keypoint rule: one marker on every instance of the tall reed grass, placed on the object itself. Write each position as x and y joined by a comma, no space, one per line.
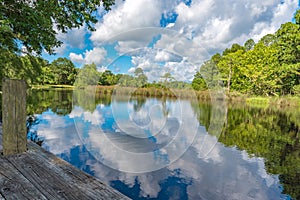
154,92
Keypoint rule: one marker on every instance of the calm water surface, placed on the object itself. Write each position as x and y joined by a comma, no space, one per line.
151,148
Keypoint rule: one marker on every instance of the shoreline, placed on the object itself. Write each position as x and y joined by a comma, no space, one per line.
234,97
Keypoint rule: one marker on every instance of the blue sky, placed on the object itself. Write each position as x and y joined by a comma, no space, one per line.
173,36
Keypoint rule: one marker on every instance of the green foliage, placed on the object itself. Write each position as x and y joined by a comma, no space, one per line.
210,73
198,82
108,78
261,102
249,44
269,133
63,71
36,70
33,23
88,75
234,48
167,77
259,71
8,60
140,77
297,17
229,66
296,90
269,68
59,101
126,80
29,27
26,67
268,39
288,41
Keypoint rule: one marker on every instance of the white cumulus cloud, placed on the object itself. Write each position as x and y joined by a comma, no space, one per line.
216,25
96,55
78,58
127,15
201,29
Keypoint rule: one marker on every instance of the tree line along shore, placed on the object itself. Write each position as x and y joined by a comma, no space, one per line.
262,72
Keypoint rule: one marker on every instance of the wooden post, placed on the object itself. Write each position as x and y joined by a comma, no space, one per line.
14,131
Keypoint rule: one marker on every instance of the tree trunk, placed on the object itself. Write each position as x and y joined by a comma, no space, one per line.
229,77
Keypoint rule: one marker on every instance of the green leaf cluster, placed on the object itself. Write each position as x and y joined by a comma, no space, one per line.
27,28
36,70
35,24
269,67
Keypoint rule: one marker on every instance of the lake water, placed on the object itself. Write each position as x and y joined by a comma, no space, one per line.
150,148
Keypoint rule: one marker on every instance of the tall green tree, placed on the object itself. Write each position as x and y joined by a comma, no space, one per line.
270,67
88,75
167,77
198,82
260,71
108,78
126,80
249,44
64,71
211,73
46,76
229,66
234,48
31,26
26,67
288,44
30,68
140,77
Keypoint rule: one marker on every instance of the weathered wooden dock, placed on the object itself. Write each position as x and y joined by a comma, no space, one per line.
29,172
38,174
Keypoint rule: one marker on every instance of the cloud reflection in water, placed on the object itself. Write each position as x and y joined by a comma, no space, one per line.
225,173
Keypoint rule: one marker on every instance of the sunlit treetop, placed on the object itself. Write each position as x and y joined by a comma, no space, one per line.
34,23
297,17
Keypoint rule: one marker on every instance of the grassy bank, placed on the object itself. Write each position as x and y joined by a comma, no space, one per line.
52,87
257,101
263,102
154,92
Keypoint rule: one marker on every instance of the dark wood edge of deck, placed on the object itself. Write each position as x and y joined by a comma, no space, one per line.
39,174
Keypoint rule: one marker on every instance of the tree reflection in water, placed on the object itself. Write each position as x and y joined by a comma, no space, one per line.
255,146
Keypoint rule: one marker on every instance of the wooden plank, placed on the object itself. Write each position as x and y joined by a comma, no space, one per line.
1,147
39,174
14,116
43,177
93,187
7,114
20,103
58,179
13,185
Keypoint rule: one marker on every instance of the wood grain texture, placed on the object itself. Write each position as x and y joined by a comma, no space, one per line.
38,174
14,116
13,185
